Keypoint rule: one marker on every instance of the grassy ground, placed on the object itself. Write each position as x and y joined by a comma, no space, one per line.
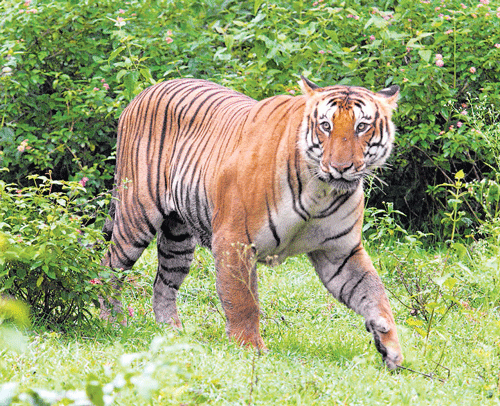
320,353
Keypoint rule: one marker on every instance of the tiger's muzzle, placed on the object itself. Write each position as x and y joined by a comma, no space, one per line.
342,177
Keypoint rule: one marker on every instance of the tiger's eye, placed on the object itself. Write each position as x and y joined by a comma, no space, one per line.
362,127
325,126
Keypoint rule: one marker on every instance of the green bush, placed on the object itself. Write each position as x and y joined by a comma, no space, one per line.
69,68
14,315
48,256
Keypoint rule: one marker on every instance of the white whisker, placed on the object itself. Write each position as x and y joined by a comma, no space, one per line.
382,182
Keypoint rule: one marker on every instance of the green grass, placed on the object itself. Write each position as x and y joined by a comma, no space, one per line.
319,352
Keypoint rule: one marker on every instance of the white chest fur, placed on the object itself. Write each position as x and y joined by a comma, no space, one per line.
327,220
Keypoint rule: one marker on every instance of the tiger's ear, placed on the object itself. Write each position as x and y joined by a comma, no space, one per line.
307,87
391,95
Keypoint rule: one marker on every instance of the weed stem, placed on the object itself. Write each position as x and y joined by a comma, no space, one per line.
430,376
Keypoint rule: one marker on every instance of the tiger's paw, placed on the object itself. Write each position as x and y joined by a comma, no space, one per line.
247,339
169,317
386,341
112,311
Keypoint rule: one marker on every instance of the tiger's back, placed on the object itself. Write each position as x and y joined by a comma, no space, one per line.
197,162
189,132
158,154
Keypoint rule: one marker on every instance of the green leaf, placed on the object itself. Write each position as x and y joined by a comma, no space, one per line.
94,391
7,134
460,175
120,74
256,5
454,202
229,41
414,322
116,52
369,22
425,54
49,271
130,81
8,283
333,35
460,249
493,194
440,281
434,306
20,272
421,331
146,74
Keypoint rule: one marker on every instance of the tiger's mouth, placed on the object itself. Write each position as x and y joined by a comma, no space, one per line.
340,184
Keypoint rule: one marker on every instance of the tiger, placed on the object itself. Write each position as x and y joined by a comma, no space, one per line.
199,163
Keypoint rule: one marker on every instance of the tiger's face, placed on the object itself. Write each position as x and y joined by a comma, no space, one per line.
347,132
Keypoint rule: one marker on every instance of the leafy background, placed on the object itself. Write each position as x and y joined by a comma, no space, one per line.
69,68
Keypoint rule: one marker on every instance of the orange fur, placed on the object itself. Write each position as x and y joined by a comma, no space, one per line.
197,162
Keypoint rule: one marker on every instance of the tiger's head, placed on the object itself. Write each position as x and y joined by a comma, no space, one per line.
347,132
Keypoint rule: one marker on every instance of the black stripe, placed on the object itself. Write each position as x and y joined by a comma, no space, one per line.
353,289
336,204
354,251
297,204
179,269
145,219
176,238
171,254
341,293
139,244
342,233
298,159
381,127
158,193
166,282
264,104
272,226
125,261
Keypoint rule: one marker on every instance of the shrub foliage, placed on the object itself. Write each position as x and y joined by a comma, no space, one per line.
69,68
48,257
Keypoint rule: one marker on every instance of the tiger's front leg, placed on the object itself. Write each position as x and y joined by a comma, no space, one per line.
353,281
237,290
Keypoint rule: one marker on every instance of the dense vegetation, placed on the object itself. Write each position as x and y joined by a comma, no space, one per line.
67,71
69,68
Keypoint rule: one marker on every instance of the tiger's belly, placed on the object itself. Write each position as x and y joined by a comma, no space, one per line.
334,224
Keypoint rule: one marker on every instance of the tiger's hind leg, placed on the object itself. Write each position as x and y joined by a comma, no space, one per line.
175,253
130,232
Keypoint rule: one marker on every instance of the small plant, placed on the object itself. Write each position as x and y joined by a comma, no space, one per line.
432,291
485,198
456,216
431,286
48,255
382,223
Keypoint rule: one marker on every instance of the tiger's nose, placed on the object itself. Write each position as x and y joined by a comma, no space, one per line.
341,167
